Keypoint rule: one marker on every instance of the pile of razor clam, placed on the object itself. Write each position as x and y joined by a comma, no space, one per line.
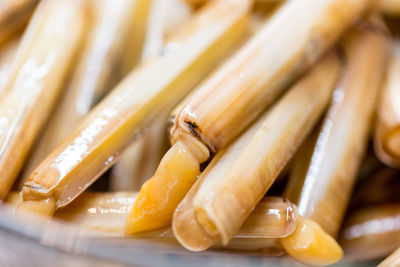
264,126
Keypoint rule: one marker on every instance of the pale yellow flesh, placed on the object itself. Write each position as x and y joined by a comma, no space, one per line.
310,244
371,232
95,145
336,155
392,261
32,89
387,128
154,207
102,64
14,15
236,180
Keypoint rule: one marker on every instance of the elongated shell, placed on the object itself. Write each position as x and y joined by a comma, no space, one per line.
341,144
118,26
252,79
39,69
95,145
229,189
99,211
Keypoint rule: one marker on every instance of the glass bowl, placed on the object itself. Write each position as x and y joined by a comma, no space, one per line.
33,241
